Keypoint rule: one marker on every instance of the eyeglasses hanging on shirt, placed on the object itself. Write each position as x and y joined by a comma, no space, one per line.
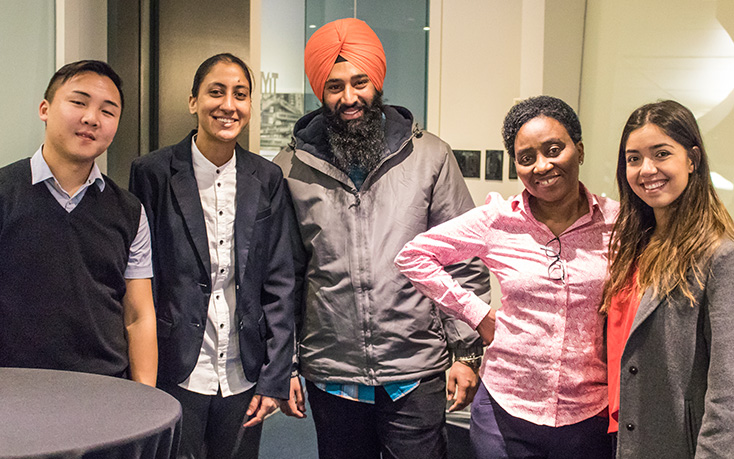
557,267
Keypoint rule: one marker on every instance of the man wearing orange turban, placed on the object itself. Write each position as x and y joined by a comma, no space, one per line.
364,181
351,39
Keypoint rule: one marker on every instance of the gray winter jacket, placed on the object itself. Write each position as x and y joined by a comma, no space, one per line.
362,322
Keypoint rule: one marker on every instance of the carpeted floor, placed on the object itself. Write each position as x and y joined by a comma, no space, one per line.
284,437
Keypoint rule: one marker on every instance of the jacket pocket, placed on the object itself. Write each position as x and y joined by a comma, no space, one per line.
691,426
164,328
265,213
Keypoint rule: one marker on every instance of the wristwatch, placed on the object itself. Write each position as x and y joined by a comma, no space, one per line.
472,361
469,357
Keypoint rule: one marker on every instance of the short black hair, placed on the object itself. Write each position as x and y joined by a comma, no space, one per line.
549,106
73,69
207,65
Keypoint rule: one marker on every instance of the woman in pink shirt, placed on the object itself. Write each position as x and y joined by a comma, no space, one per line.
544,373
670,294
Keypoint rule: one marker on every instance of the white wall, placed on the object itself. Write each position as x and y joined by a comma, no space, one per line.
484,55
474,76
81,30
36,38
670,49
27,47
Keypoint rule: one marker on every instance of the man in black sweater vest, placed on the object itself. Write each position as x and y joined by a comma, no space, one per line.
75,264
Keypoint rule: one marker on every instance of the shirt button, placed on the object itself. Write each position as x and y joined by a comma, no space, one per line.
221,270
633,370
221,241
630,427
217,171
217,296
219,184
221,213
221,325
221,354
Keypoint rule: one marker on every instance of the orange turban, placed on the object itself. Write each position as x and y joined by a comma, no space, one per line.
354,41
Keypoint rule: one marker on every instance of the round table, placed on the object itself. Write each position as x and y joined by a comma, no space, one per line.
73,415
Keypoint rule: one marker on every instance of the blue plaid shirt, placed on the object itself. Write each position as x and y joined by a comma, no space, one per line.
366,394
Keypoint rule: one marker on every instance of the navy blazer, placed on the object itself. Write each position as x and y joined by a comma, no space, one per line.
164,182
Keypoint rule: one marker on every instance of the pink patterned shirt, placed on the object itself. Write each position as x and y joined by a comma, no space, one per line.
546,364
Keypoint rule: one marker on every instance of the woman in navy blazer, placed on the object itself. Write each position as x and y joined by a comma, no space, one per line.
223,269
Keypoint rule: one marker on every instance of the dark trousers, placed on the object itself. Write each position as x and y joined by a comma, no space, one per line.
212,425
496,434
412,427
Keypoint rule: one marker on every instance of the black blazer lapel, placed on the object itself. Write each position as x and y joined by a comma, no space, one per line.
186,192
248,197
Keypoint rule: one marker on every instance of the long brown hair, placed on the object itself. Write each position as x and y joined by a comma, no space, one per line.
699,221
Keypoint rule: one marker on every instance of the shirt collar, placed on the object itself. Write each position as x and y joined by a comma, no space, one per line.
40,172
202,163
593,200
521,202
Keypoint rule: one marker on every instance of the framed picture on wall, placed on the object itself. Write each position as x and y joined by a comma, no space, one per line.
469,162
493,165
513,171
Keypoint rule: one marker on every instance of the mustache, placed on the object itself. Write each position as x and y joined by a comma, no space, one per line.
341,108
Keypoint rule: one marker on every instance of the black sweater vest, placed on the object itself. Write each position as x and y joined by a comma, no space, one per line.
62,275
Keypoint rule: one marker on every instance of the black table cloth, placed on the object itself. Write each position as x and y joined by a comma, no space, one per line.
49,413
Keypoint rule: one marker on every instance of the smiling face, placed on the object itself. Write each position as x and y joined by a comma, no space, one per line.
222,105
81,119
348,90
657,167
547,160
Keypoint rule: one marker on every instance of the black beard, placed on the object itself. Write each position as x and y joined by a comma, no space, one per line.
357,143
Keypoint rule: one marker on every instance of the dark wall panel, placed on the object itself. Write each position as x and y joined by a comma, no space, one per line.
123,54
156,47
183,34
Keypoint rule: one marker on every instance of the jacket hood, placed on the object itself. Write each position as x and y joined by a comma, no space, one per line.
309,133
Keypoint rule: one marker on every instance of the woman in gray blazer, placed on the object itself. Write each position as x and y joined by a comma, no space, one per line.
670,295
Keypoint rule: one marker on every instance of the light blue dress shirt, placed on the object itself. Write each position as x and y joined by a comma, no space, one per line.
139,265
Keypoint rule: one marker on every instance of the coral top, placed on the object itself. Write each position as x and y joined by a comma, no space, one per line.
619,323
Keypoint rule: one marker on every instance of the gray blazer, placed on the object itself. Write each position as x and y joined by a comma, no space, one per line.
677,378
